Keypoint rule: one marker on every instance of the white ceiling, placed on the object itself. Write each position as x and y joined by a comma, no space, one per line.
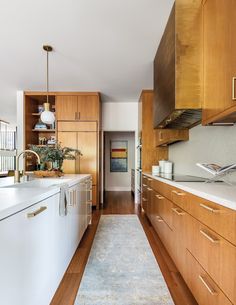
106,46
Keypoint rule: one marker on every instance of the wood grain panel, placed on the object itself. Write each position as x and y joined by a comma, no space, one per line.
66,107
219,59
88,108
169,136
206,292
216,255
150,154
87,143
68,139
77,126
189,57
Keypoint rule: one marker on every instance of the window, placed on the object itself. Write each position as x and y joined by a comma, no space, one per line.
7,147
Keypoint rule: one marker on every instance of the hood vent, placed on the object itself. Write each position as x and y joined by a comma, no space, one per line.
182,119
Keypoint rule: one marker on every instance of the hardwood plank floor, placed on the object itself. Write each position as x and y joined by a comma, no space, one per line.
121,203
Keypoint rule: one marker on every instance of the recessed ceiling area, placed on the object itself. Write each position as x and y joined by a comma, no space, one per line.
106,46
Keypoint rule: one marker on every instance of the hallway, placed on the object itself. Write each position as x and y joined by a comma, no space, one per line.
121,203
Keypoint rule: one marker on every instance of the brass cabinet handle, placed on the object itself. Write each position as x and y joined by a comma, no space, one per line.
178,211
211,238
149,179
144,199
178,193
149,189
37,212
159,219
76,115
160,197
144,185
233,88
207,285
160,136
209,208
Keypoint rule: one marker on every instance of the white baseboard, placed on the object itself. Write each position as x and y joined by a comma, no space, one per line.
118,189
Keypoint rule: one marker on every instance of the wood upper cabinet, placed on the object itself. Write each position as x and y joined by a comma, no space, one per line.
88,108
169,136
66,108
219,98
78,108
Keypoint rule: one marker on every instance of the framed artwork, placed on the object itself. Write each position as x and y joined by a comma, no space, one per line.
119,156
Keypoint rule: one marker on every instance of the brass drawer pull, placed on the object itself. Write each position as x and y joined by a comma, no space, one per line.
144,185
207,285
178,211
144,199
160,197
212,239
33,214
149,179
209,208
233,88
178,193
159,219
149,189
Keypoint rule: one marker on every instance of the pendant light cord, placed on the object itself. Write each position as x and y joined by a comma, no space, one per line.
47,77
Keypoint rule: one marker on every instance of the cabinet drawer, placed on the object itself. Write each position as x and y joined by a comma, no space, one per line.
179,197
204,289
220,219
216,255
77,126
162,188
163,230
165,208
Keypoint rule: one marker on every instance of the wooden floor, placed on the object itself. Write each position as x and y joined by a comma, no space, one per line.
121,203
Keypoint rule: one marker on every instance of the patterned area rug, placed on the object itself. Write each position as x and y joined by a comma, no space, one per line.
122,269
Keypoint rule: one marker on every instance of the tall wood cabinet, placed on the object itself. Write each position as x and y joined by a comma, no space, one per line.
219,100
78,122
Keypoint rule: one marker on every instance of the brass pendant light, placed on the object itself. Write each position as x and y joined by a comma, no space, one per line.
47,116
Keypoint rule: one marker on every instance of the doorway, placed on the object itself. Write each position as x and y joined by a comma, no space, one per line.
118,172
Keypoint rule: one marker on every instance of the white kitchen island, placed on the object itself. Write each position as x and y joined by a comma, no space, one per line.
39,236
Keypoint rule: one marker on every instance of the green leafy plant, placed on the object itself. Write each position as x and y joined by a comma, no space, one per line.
55,154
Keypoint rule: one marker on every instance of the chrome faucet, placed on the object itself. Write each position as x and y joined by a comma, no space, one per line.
17,171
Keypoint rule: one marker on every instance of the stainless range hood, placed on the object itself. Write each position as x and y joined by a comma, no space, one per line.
178,69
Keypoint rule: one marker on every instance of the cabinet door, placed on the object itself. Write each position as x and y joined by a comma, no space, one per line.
219,57
27,256
68,139
66,108
88,108
87,143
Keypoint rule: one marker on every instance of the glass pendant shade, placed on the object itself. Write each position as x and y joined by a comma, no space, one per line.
47,116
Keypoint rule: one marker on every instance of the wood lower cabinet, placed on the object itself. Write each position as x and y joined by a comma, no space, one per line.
204,289
199,236
219,99
87,142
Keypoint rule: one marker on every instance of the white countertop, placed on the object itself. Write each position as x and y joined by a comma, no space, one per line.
15,198
219,192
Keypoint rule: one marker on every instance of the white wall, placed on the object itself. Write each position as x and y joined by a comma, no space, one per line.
119,181
207,144
120,116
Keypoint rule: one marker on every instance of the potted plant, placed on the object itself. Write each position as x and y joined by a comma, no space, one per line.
54,155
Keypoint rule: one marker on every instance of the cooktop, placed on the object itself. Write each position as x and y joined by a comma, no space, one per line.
181,178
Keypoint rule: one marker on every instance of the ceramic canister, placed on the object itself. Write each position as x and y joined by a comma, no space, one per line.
161,164
168,167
